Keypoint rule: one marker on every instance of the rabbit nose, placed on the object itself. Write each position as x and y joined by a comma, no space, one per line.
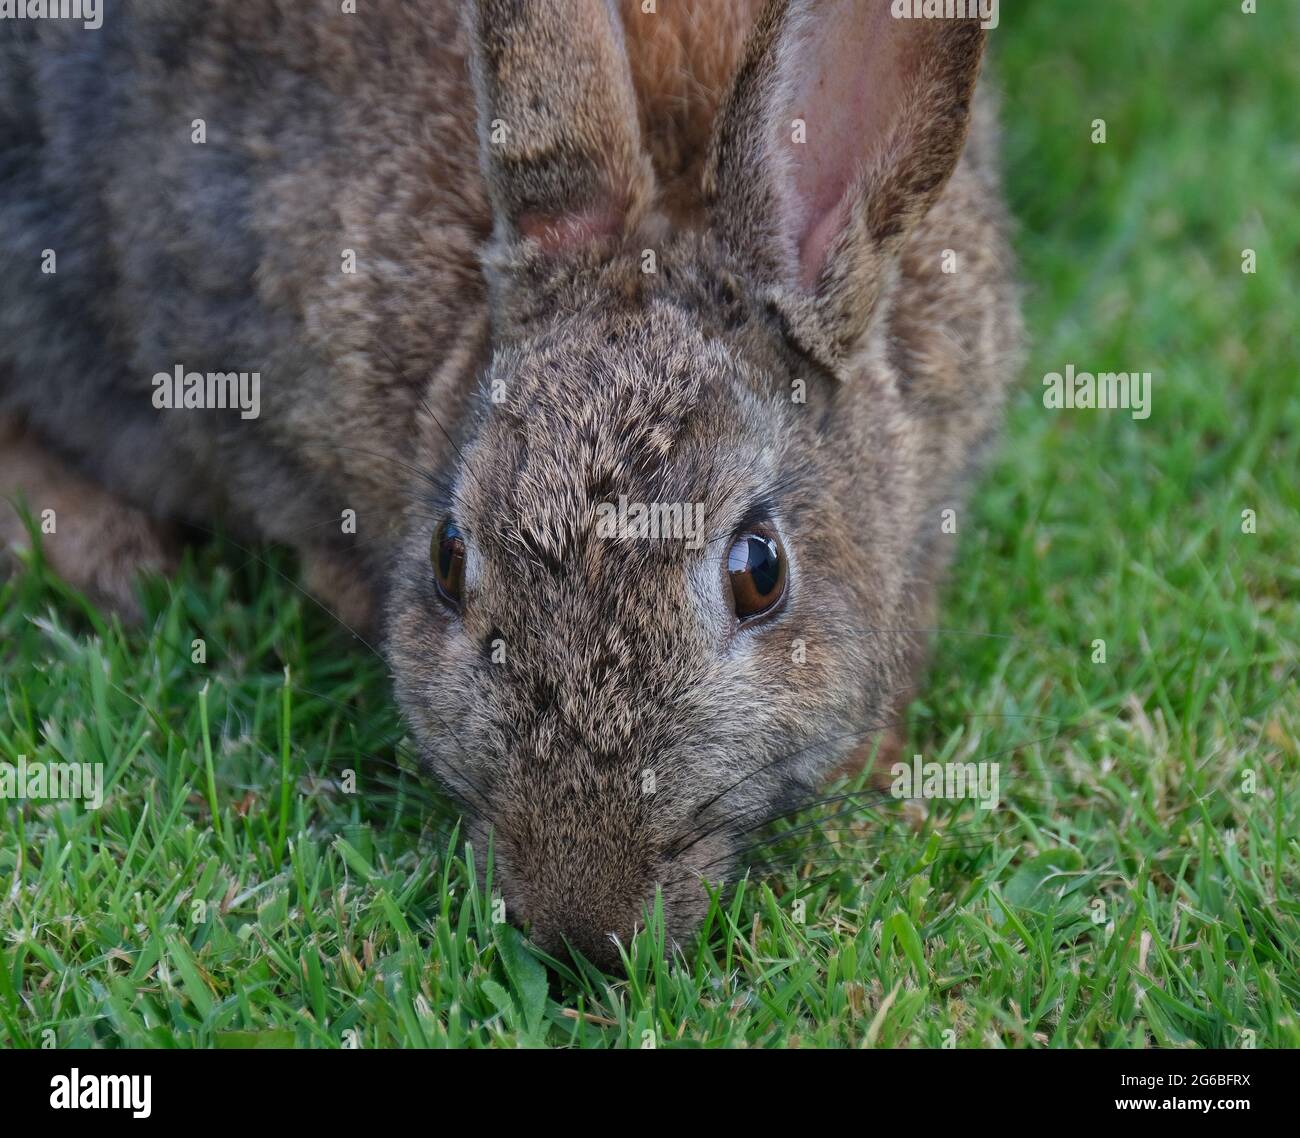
599,948
594,931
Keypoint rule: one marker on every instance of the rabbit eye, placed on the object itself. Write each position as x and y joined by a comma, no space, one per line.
756,565
448,552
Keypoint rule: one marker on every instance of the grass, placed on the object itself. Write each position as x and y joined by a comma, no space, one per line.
1138,886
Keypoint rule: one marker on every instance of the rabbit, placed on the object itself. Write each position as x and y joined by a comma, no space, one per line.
500,267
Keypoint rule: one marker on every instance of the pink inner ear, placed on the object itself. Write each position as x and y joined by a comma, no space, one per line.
848,87
556,233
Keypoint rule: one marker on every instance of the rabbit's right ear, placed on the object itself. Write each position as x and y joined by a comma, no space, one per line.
558,132
843,124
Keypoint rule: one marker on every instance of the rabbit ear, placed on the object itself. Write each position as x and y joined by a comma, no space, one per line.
842,127
561,148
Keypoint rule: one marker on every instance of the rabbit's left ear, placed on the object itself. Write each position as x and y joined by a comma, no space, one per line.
843,125
558,132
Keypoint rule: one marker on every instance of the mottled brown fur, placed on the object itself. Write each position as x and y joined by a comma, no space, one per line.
91,538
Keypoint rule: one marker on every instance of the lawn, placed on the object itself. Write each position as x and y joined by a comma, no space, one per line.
265,869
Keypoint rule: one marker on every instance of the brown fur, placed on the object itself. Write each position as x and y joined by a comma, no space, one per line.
554,374
95,541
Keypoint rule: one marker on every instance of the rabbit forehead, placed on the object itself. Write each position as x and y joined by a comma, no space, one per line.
621,410
650,353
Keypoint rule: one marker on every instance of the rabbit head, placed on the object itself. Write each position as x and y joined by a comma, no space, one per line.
656,592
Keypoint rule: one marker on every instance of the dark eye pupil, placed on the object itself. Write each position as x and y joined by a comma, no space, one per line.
763,563
446,555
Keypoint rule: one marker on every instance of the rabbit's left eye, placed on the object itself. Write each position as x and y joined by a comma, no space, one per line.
756,566
448,554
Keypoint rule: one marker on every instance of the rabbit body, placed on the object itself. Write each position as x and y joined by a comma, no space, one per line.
591,260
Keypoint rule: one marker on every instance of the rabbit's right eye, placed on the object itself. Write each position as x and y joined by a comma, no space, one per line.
449,562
